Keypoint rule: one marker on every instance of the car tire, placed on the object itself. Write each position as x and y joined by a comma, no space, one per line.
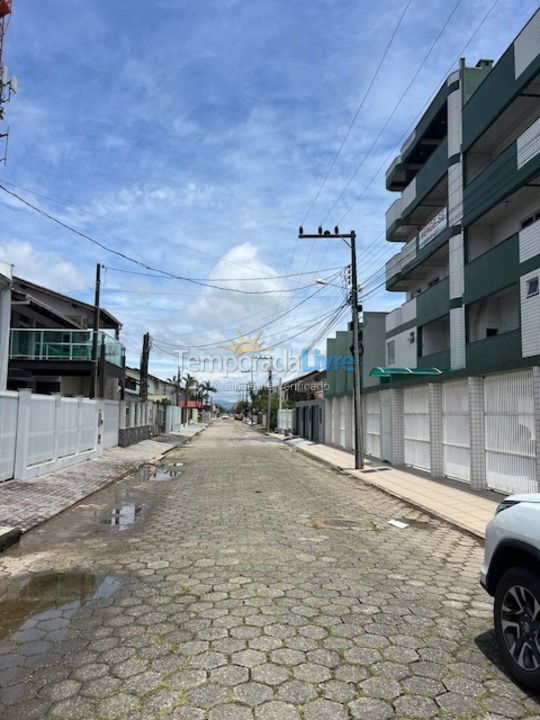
517,624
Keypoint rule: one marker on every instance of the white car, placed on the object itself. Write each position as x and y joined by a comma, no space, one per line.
511,574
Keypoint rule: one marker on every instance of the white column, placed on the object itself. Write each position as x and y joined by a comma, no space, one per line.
23,434
398,429
435,430
5,323
536,391
477,432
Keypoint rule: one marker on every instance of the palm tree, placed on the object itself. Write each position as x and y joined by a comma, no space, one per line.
190,382
207,388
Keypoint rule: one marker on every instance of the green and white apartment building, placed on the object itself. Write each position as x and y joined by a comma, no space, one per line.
467,218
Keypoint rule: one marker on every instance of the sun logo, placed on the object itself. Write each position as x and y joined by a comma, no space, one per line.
245,344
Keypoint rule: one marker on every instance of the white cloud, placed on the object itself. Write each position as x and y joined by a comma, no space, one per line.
42,267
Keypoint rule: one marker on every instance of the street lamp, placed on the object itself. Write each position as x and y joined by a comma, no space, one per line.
350,240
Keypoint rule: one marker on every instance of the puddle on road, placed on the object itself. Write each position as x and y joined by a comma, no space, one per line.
36,613
159,473
43,603
115,508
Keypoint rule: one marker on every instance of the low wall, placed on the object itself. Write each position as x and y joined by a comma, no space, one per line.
130,436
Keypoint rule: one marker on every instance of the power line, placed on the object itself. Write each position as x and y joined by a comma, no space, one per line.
99,216
385,162
389,118
244,279
47,215
357,112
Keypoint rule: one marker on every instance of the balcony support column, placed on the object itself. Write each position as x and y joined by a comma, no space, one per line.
5,322
477,431
436,430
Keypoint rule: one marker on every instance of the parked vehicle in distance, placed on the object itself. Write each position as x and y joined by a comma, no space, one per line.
225,417
511,574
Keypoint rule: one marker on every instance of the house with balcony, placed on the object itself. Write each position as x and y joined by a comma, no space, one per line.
468,220
159,391
51,345
459,394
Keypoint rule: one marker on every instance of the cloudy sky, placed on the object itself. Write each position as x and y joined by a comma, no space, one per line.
195,136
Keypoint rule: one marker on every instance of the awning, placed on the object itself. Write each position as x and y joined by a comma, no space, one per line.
389,371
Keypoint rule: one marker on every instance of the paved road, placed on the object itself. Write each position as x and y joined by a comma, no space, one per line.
257,585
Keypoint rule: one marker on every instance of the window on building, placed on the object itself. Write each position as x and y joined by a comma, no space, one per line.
391,352
530,220
532,287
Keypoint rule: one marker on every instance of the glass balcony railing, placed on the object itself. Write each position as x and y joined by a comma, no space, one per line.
60,344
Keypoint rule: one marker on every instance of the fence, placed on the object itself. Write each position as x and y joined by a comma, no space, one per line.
373,425
416,424
510,432
484,431
286,420
456,430
42,433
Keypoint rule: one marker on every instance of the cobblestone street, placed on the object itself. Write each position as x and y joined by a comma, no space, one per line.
255,584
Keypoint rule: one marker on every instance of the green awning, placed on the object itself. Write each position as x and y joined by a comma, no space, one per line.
389,371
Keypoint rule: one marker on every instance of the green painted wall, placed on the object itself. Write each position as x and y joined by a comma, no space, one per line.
427,118
496,92
500,352
440,360
494,270
429,175
496,182
433,303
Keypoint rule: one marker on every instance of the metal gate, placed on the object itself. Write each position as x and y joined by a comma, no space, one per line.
455,429
111,423
416,427
510,432
373,424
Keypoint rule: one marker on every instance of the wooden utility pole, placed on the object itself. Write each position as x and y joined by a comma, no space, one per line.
95,335
145,357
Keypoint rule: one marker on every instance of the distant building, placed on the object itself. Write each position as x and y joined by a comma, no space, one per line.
158,390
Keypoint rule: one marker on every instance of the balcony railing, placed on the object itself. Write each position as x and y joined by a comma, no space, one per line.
409,251
60,344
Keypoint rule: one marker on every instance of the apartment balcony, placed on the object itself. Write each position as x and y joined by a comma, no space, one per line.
417,251
492,271
426,189
507,83
63,346
516,166
498,352
434,302
403,315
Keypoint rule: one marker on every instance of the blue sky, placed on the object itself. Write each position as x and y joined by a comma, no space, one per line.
194,136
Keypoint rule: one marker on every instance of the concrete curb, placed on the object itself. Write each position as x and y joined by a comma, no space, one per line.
463,527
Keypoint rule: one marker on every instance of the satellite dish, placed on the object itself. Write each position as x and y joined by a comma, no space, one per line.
14,84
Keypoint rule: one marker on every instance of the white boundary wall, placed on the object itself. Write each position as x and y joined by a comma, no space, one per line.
484,431
42,433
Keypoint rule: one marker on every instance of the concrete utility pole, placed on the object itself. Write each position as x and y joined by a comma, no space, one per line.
270,368
97,309
145,357
350,240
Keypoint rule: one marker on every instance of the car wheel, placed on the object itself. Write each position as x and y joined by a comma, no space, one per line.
517,624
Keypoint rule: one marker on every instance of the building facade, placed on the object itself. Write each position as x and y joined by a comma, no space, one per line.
468,218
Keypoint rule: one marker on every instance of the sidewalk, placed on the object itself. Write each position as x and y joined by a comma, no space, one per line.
446,499
25,504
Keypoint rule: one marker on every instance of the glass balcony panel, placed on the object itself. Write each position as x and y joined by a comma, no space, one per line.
60,344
